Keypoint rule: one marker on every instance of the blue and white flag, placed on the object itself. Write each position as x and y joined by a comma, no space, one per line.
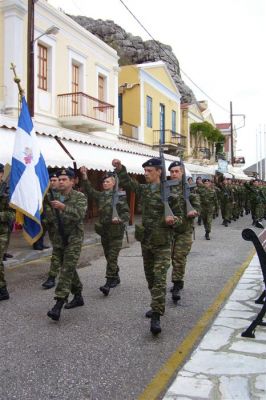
29,179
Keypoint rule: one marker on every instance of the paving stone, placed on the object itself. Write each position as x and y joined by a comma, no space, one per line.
199,388
236,314
216,338
231,323
226,363
244,295
249,347
235,305
234,388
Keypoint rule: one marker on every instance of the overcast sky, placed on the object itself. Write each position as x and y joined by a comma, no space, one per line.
220,45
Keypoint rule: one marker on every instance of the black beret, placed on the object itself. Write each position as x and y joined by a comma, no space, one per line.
206,180
53,175
65,172
108,175
2,167
153,162
174,164
198,177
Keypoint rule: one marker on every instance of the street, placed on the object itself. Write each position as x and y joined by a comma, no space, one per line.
104,350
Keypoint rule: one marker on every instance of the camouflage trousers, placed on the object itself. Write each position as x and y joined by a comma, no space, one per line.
257,211
181,246
226,210
68,279
111,248
207,217
55,258
156,260
4,238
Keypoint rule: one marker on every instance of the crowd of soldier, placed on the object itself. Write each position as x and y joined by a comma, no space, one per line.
165,240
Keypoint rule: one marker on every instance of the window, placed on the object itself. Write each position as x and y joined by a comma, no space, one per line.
75,88
42,71
149,112
173,121
101,94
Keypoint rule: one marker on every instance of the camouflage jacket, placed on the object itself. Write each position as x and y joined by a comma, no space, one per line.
151,204
73,215
208,198
225,194
255,194
194,199
7,214
104,201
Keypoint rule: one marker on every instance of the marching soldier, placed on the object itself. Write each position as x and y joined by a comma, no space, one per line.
154,234
7,216
182,234
111,228
67,215
226,201
257,201
199,189
207,204
55,261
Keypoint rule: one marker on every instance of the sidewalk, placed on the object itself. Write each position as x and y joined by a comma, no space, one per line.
225,365
22,252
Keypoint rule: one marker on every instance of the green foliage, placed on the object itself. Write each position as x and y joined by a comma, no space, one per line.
206,130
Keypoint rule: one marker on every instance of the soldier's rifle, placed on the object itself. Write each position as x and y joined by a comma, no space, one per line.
59,220
166,185
186,187
115,200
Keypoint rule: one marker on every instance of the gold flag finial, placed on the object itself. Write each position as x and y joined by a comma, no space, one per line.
17,80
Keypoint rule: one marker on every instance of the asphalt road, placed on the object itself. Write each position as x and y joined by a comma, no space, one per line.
104,350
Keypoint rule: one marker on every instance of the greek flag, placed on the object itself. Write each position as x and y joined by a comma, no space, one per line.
29,179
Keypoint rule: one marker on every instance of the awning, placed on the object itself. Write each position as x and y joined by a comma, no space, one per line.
92,156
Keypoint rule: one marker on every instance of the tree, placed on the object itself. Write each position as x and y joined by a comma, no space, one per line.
205,130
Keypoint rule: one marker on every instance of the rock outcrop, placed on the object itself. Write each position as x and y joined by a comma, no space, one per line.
133,50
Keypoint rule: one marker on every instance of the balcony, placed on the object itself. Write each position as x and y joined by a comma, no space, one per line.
84,111
173,142
129,130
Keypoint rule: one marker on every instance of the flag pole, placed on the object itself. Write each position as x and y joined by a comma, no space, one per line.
17,80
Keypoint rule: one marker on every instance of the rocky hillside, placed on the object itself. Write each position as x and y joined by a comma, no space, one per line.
133,50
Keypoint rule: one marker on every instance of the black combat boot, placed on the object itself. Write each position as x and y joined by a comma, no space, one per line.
55,312
77,301
225,223
207,236
106,288
115,281
155,323
175,292
49,283
4,295
199,221
258,224
149,314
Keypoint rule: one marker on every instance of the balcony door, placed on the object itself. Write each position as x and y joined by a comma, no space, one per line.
75,89
162,123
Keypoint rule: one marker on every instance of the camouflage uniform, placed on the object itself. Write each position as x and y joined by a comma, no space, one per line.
68,254
182,236
7,216
226,201
207,204
111,234
256,200
155,238
51,227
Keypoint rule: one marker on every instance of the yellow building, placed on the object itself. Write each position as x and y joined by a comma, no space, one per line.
149,106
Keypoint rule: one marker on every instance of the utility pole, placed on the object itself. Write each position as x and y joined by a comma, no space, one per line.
30,57
232,134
